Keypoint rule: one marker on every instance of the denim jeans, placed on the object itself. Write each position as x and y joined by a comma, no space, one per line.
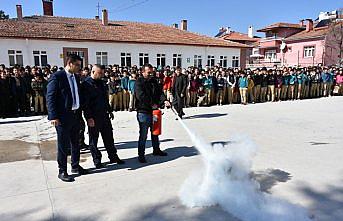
145,122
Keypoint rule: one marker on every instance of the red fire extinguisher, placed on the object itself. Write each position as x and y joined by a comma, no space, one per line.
157,122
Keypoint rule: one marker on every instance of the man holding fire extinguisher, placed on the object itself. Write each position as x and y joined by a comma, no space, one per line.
149,97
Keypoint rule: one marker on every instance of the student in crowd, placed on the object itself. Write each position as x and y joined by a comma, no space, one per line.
19,99
243,87
131,88
220,92
292,84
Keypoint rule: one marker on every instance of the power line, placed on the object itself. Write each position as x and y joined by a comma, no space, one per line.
121,8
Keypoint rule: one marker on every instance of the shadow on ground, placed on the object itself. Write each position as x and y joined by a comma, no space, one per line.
199,116
36,214
16,150
172,210
319,143
326,204
19,121
133,164
133,144
269,178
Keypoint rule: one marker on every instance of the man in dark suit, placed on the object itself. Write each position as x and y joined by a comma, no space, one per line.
179,91
64,112
97,111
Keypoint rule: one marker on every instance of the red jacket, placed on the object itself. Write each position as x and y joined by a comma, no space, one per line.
167,83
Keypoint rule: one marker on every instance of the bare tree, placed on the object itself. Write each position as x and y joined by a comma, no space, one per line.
334,44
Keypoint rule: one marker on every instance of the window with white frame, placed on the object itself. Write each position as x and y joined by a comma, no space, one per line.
309,51
177,60
15,57
125,59
223,61
255,51
270,55
197,61
143,59
40,58
161,60
235,61
211,60
102,58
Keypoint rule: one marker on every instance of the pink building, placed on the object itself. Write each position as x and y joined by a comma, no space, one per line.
305,44
306,48
269,51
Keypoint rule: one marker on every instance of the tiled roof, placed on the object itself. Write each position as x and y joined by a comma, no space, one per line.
237,36
280,25
315,33
80,29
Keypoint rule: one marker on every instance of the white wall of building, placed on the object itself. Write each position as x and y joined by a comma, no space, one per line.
54,51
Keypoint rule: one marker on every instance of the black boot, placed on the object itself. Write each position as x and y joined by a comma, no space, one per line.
159,152
142,159
80,171
117,160
64,176
84,147
99,166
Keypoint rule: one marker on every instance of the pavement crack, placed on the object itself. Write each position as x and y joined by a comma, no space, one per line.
45,173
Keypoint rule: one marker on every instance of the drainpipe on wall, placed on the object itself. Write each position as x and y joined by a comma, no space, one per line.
205,59
28,57
298,58
324,51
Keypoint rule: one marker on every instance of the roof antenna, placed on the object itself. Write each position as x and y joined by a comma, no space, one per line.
98,8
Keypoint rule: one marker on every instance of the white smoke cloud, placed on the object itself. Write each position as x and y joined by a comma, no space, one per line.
225,180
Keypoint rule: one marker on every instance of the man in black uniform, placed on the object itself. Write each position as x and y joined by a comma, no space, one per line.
149,96
98,112
83,146
179,91
4,95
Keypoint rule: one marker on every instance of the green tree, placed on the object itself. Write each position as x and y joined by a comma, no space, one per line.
3,15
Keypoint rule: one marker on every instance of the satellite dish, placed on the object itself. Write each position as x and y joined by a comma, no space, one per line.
283,46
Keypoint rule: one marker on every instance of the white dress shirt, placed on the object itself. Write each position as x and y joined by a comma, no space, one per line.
76,98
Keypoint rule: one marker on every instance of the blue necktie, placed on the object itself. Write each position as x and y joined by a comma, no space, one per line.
73,90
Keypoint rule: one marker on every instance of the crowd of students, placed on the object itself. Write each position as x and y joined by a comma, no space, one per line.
23,89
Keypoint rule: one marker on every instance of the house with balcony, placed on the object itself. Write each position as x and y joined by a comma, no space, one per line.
307,43
249,39
319,44
268,51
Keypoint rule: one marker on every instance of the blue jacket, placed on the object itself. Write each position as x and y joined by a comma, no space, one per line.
243,82
292,79
301,78
331,77
132,84
125,83
285,80
325,77
207,82
59,97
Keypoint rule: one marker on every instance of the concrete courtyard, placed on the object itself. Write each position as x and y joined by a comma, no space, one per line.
299,159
